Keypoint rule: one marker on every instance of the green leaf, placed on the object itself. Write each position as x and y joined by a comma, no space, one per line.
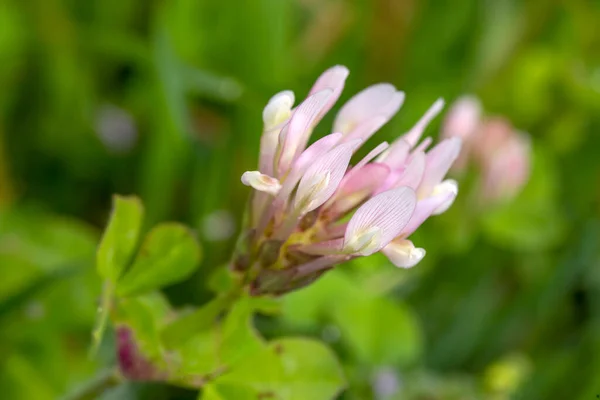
221,347
168,255
239,364
376,329
239,337
288,369
310,370
379,331
262,372
221,280
308,306
120,237
199,355
228,391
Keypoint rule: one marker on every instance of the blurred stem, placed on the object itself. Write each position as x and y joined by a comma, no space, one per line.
93,388
102,319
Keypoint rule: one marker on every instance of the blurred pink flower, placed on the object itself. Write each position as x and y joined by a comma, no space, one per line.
506,167
462,120
502,154
302,195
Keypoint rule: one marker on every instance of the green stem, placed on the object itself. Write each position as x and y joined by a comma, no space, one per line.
93,388
103,311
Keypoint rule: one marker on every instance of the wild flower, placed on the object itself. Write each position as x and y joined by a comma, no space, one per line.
310,209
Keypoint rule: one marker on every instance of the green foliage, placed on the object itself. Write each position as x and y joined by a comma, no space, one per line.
168,255
376,330
201,348
46,262
288,369
309,369
380,331
120,237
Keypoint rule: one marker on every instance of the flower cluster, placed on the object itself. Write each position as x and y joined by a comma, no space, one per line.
502,153
311,210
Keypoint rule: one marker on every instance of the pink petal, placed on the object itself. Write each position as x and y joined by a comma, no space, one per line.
378,100
413,136
313,152
365,129
409,175
308,156
268,146
397,154
367,177
424,144
316,150
357,185
493,133
463,118
388,213
301,124
424,209
508,169
413,174
439,160
322,178
372,154
392,107
334,79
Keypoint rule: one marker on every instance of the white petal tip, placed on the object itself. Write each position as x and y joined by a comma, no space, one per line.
340,71
434,110
261,182
278,109
468,102
403,253
448,188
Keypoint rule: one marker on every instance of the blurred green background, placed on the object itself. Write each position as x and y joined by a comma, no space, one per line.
164,98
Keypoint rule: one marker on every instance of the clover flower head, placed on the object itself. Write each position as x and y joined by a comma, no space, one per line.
311,209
